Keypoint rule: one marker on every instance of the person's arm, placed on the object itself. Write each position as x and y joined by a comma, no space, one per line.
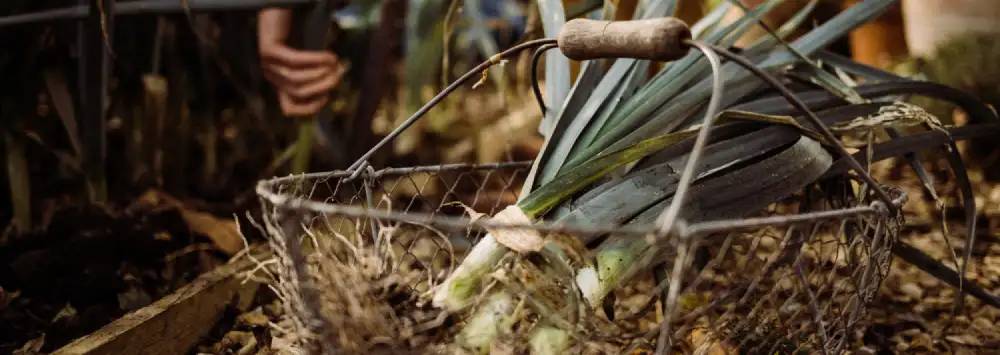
303,79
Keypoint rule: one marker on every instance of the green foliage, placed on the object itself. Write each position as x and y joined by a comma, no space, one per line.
652,122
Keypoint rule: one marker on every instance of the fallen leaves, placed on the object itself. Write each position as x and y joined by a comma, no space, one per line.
912,290
32,347
705,343
237,342
224,233
253,319
964,339
914,311
67,313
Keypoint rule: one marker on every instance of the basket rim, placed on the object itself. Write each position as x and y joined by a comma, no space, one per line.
268,183
296,205
267,190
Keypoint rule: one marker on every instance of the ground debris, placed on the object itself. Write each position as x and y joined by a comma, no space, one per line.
914,311
252,319
31,347
88,267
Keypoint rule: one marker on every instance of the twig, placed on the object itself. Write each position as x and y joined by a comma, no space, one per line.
446,50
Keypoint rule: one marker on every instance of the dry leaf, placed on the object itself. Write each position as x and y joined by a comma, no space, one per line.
922,341
983,324
67,313
223,232
964,339
706,344
237,342
912,290
517,239
254,319
473,215
31,347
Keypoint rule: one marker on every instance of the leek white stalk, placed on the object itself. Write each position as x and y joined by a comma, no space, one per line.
456,291
462,285
492,318
616,145
549,340
615,259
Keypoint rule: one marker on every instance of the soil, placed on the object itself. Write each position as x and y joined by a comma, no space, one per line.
91,266
914,312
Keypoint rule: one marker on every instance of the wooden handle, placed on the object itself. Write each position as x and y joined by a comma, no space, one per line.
655,39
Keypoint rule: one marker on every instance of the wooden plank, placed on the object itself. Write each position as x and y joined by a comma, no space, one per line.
174,324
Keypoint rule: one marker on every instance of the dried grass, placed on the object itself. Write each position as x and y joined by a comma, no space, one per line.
775,289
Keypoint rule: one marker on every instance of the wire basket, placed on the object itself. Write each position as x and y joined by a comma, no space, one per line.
358,259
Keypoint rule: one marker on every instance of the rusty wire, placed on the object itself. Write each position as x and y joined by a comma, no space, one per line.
815,271
808,290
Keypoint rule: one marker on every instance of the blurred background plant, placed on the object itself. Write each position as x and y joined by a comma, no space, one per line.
190,114
191,126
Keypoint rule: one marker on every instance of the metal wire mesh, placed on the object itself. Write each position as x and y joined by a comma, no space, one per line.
784,290
357,259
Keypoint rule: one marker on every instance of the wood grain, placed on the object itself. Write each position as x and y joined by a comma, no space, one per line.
654,39
175,323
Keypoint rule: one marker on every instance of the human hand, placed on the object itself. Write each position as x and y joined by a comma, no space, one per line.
303,79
